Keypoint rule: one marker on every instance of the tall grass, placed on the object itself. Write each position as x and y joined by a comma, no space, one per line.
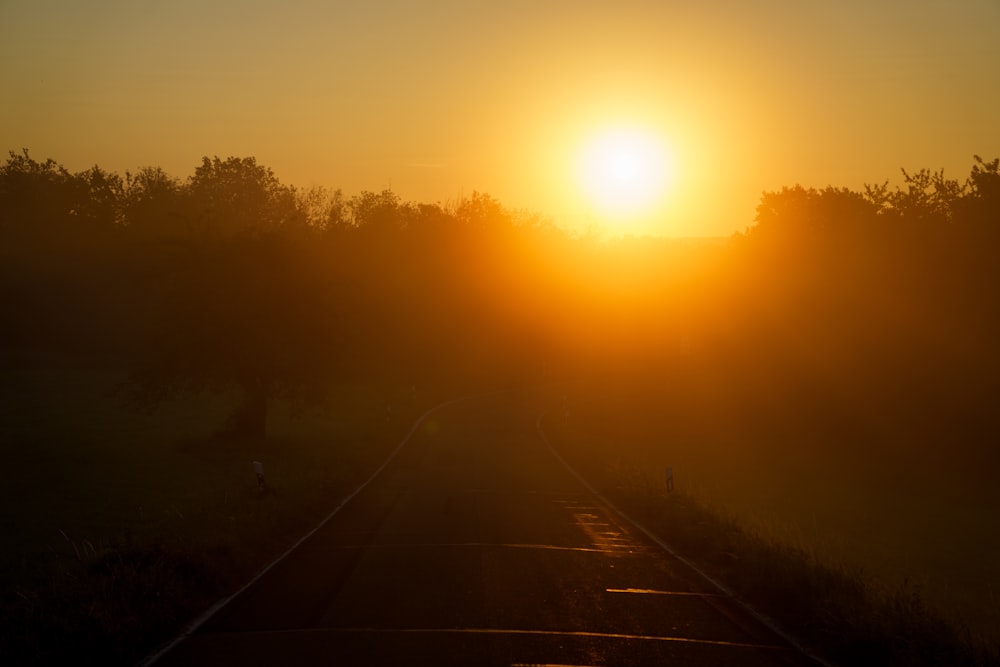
121,527
832,603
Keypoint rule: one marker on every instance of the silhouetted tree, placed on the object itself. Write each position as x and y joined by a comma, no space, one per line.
152,205
979,210
324,209
241,299
379,212
101,196
883,300
60,237
37,199
804,217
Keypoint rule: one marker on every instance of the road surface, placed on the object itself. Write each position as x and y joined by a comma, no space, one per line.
475,546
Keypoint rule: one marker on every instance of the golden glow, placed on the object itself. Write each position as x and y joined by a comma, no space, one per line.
624,173
399,98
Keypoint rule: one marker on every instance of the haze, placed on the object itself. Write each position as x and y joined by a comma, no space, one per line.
749,250
435,100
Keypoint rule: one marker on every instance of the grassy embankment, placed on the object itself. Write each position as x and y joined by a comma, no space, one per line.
843,573
119,527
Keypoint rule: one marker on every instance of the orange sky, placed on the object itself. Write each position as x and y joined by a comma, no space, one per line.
436,99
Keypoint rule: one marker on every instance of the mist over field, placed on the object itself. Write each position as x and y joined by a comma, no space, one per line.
828,376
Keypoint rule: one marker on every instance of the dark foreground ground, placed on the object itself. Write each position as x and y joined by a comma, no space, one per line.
476,547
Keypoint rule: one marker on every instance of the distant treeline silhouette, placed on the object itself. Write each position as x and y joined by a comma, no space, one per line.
868,312
878,309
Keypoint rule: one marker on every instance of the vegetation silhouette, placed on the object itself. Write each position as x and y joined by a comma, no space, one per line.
841,326
233,278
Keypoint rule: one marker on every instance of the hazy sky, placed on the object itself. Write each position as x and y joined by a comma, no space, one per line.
436,99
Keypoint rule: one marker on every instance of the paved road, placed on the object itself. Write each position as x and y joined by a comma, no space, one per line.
476,547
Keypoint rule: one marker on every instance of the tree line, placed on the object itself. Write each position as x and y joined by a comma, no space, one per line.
232,278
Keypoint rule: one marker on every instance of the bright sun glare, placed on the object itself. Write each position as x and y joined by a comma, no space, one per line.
624,172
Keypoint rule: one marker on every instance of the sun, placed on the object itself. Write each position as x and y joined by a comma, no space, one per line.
623,172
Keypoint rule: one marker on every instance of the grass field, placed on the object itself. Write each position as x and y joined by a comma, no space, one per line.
120,526
876,569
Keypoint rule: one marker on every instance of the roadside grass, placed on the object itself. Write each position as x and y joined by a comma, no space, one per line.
120,528
829,602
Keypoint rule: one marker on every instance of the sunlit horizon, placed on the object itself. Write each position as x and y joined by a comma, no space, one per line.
737,260
422,100
753,245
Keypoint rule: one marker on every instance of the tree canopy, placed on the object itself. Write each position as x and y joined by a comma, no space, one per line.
230,278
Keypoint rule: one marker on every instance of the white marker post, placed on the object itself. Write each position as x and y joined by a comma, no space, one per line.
670,480
258,469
